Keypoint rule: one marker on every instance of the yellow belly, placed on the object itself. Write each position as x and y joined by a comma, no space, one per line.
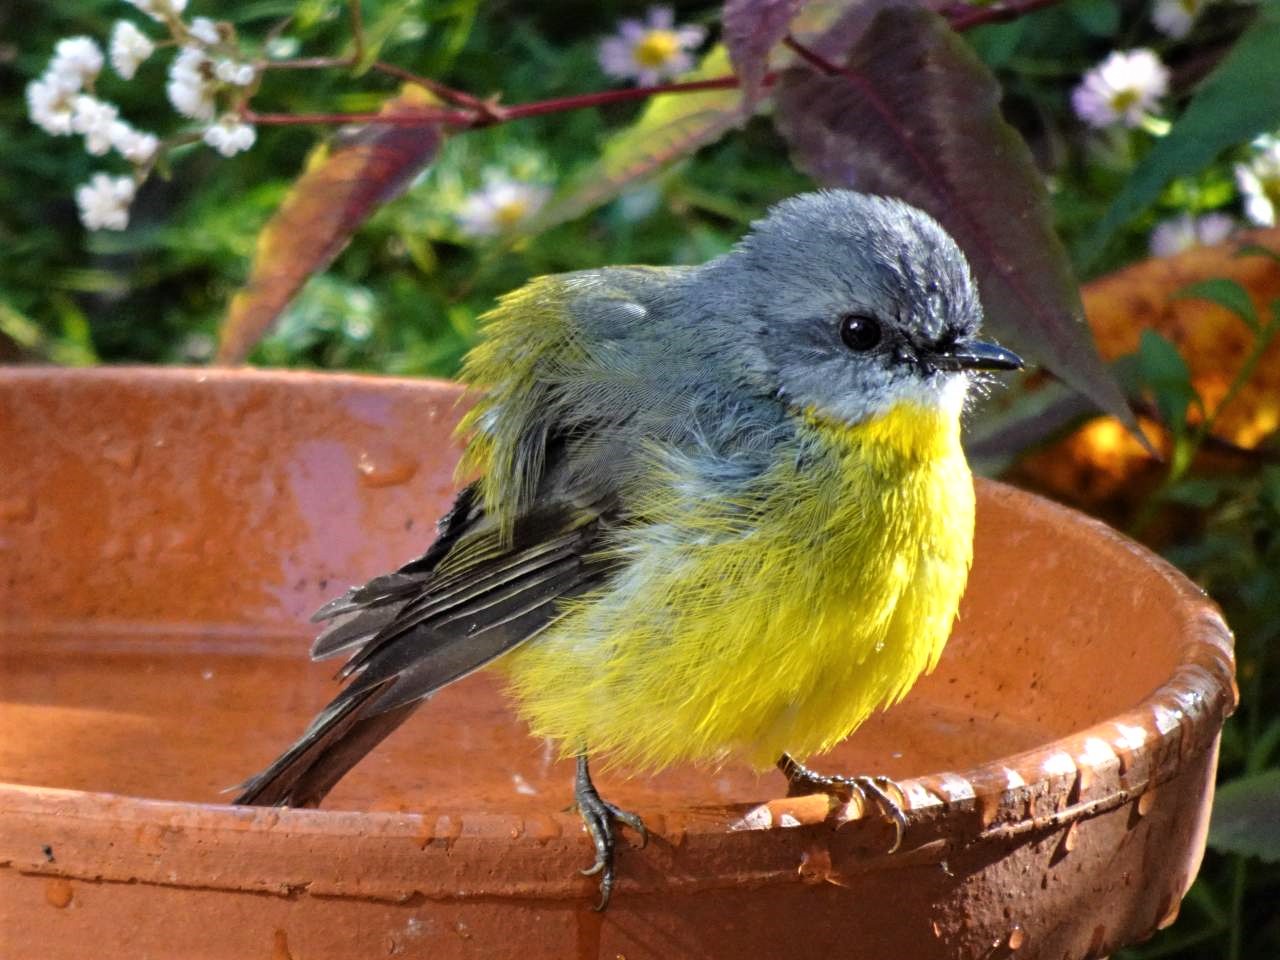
774,624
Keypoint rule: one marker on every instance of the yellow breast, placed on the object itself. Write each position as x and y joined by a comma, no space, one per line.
776,622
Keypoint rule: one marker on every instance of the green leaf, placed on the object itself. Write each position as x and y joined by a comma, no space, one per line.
1198,492
1258,250
1164,372
997,43
671,127
1098,17
382,26
1225,293
1238,101
1246,817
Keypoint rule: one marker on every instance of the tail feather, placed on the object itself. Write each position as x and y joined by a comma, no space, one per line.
474,595
333,743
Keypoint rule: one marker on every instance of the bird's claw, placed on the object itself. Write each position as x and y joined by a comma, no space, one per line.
598,817
883,792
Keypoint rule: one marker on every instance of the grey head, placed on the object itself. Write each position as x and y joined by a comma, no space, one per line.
854,304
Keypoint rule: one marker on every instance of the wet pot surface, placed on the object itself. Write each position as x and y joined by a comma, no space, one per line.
164,536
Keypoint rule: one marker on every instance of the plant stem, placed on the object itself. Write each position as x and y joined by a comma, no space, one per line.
357,30
963,16
489,114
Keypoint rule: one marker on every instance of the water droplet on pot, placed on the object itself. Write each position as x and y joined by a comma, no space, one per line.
1097,942
280,946
384,469
815,865
123,453
58,893
522,786
447,828
1017,937
988,808
19,509
541,827
1071,838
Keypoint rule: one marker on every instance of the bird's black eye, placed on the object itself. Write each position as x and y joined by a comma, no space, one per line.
859,332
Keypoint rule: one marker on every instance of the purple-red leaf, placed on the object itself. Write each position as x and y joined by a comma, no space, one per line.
911,112
341,188
751,29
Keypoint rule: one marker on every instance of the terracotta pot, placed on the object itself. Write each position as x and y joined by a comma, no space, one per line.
165,533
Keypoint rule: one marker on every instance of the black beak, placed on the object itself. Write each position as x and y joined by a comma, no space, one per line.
974,355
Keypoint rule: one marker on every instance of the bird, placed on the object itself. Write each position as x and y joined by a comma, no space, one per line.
706,512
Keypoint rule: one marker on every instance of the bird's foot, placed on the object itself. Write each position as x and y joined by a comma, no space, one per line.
883,792
599,816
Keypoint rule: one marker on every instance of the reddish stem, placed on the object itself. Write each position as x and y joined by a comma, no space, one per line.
489,114
963,16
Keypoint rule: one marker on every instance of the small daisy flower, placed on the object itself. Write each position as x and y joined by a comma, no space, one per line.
136,146
205,30
499,206
191,86
237,74
93,118
1185,231
1122,89
104,202
1174,18
129,47
51,105
1259,182
160,9
652,50
76,61
230,136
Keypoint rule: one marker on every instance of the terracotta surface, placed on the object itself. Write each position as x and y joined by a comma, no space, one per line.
165,533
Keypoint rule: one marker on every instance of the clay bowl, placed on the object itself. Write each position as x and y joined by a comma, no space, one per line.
164,535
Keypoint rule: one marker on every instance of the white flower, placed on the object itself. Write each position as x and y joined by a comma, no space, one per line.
230,136
649,51
51,105
1174,18
205,30
76,61
160,9
499,206
136,146
1259,182
191,86
93,118
104,202
1185,231
1121,89
129,47
238,74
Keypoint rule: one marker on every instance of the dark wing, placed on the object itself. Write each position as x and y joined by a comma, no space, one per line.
471,597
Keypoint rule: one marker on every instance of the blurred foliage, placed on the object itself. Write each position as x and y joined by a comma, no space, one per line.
405,295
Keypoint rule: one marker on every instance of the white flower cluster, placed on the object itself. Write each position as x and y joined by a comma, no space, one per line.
1123,89
1175,18
650,50
1259,182
208,64
501,205
1185,231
